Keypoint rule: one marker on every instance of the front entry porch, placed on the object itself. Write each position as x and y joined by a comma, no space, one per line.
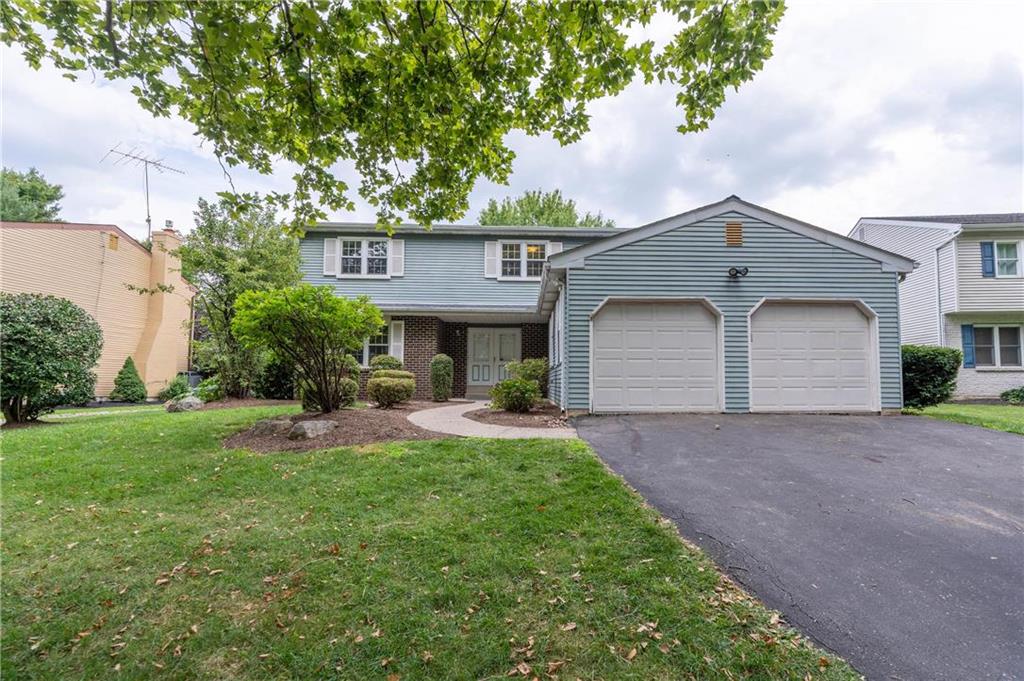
479,349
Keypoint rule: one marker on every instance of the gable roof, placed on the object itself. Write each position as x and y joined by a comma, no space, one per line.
474,230
891,262
968,219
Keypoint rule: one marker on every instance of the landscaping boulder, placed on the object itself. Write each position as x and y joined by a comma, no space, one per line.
277,426
307,430
186,403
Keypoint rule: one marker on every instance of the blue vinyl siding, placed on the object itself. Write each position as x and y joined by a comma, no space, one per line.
441,270
692,261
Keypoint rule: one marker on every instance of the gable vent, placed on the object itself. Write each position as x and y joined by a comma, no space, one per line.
734,234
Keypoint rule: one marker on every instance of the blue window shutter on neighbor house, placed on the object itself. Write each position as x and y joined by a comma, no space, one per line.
967,337
988,259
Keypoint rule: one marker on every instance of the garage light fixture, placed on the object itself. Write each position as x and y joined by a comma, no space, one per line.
737,272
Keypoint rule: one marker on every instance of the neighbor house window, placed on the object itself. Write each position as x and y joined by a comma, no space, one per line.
1007,259
523,259
364,257
997,346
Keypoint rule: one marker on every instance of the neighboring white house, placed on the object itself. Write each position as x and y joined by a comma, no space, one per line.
967,291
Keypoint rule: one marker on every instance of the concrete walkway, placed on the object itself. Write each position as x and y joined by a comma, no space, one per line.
451,420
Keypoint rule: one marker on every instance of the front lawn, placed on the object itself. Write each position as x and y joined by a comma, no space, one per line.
996,416
139,547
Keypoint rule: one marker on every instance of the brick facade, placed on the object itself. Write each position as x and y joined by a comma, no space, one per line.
422,336
453,344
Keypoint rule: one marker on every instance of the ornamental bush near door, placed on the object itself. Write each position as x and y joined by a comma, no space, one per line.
385,362
515,394
442,372
393,373
535,369
929,374
387,392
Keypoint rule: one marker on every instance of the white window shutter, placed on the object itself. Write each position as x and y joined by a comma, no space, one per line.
330,257
554,247
396,255
491,259
397,336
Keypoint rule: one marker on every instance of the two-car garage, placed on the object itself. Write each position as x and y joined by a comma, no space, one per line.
669,356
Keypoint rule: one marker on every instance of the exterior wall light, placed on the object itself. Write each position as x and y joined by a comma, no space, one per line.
736,272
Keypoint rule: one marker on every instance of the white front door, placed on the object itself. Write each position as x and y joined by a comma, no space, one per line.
489,351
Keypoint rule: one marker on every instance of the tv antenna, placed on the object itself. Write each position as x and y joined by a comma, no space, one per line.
135,158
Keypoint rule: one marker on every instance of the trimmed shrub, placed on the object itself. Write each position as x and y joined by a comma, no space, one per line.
387,392
178,387
276,380
442,371
49,347
348,390
393,373
128,385
210,389
385,362
929,374
531,370
351,367
515,394
1013,395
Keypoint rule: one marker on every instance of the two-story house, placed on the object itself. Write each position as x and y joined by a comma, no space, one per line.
967,291
727,307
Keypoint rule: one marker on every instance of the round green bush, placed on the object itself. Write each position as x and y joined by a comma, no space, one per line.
387,392
210,389
1013,395
178,387
929,374
442,370
49,347
535,369
515,394
351,366
393,373
385,362
128,385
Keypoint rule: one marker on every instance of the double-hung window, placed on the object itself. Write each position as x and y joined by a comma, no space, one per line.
997,346
364,257
1008,260
523,259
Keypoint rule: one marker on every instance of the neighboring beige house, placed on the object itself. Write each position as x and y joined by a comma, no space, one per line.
967,291
95,266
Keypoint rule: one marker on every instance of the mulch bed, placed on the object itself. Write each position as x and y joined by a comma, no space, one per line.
355,427
545,416
235,403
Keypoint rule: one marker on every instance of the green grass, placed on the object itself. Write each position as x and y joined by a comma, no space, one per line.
996,416
141,546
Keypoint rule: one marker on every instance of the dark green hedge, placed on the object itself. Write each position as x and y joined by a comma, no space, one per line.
929,374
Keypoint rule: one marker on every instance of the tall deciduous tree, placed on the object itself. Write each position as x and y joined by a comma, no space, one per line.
550,209
313,328
28,197
228,253
418,95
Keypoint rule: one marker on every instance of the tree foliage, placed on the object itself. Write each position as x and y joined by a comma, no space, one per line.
49,347
549,209
225,254
417,95
28,197
128,385
312,328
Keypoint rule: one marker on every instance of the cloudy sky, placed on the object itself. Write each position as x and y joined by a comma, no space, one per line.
865,109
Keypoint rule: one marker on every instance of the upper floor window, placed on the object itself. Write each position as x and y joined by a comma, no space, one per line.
368,258
523,259
1008,259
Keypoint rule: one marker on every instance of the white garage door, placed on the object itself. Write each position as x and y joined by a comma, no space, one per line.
811,357
655,357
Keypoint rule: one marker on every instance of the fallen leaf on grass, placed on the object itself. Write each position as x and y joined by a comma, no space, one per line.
631,654
555,665
569,626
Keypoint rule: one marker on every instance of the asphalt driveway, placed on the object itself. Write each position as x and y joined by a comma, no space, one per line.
895,541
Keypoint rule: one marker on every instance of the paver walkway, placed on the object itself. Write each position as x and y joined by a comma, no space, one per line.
452,420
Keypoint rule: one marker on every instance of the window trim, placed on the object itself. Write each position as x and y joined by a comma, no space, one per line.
996,352
364,255
523,246
995,259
